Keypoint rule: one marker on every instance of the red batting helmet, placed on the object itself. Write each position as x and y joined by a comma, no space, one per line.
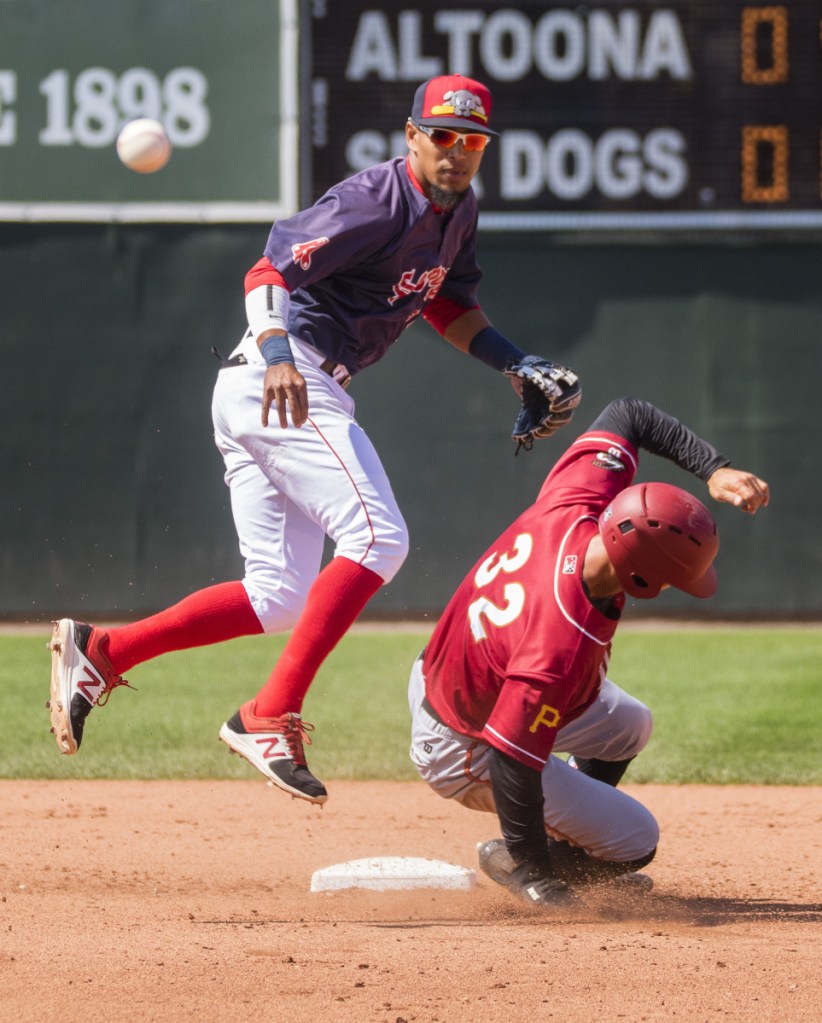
656,534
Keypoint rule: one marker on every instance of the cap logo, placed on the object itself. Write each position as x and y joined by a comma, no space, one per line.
460,103
452,101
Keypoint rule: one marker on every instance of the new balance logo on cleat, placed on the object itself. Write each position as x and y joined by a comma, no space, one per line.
274,746
81,678
91,686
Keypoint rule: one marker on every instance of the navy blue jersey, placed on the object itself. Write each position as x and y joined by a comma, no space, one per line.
363,261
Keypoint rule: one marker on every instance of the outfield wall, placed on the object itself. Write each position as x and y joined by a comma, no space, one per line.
114,502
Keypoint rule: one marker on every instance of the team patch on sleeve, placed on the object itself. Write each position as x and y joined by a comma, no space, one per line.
611,460
546,717
303,251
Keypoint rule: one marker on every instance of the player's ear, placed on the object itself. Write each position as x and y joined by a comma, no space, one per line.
411,133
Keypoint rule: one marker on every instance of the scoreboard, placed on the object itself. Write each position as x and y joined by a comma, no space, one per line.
687,113
220,76
620,114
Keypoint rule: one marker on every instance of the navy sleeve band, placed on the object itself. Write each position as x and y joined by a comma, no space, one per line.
494,349
276,349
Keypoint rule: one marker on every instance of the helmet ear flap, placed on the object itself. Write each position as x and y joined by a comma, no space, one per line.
632,581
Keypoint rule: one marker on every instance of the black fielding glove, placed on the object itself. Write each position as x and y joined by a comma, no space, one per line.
550,393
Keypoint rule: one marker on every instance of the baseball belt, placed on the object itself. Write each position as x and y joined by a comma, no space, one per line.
335,370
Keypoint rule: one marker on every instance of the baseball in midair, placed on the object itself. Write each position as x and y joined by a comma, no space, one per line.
143,145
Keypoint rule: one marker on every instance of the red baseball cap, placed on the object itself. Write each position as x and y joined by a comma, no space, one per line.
453,101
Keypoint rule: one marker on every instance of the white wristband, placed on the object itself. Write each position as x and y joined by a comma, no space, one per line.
267,307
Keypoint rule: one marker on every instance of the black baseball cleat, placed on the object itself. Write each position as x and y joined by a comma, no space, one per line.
495,860
275,747
537,887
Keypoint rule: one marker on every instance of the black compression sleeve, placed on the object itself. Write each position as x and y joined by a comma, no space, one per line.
649,428
518,796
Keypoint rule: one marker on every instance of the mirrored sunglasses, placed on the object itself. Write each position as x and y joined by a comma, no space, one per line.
446,138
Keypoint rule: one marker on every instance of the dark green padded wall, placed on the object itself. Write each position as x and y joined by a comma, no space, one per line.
114,502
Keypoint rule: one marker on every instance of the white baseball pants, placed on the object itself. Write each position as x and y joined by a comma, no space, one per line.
290,488
604,821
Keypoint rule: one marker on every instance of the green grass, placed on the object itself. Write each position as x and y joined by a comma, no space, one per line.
735,705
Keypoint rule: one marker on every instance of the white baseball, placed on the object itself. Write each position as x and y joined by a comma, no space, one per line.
143,145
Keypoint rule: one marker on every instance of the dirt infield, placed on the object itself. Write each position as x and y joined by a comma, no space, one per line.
173,901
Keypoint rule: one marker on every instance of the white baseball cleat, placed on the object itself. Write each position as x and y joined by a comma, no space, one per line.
81,678
275,747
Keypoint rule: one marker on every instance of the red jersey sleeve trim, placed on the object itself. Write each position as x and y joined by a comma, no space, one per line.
603,437
441,313
517,752
264,272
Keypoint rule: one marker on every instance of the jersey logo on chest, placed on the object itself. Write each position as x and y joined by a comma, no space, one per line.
429,281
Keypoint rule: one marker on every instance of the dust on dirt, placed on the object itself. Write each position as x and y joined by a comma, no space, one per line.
170,901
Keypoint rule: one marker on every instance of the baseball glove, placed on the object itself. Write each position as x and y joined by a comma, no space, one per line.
550,393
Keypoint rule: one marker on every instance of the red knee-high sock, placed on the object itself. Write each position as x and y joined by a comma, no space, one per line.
339,593
208,616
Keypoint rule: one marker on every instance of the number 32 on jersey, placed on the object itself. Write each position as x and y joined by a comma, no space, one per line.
482,610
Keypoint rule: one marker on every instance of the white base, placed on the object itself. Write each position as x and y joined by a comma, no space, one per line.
382,873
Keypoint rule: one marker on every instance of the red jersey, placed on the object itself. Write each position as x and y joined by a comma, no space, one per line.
520,650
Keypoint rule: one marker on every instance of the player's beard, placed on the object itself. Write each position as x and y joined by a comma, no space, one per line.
446,200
